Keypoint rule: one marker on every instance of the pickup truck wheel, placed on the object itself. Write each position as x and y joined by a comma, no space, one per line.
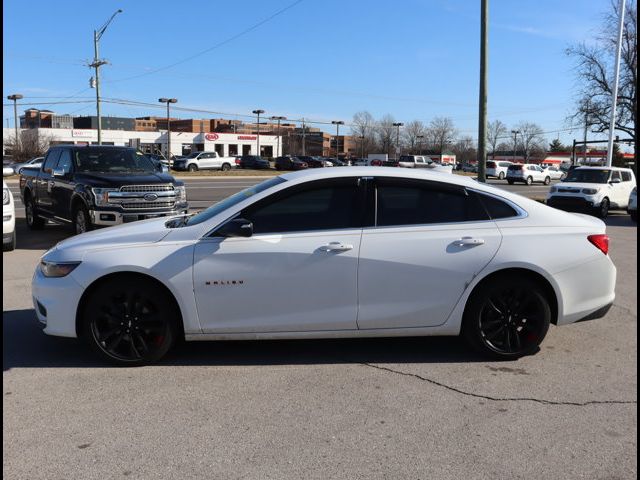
34,222
81,220
193,167
128,322
225,167
510,182
507,317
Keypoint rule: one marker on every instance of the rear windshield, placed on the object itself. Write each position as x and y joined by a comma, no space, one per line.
515,167
112,160
588,176
491,164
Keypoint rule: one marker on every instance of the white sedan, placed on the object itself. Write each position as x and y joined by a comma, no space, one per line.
326,253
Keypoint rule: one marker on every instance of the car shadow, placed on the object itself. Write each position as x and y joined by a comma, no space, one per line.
26,346
44,239
619,220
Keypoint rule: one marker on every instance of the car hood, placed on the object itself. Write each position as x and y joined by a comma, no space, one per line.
145,231
106,180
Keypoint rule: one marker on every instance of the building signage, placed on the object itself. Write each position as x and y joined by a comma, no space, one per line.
247,137
211,137
82,133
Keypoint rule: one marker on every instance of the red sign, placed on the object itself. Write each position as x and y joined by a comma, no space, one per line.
247,137
211,136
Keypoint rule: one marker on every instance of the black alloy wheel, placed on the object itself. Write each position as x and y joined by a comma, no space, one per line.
129,322
603,211
34,222
81,220
507,318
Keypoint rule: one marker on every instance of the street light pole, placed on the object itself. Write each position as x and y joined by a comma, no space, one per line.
515,144
398,125
97,63
361,137
337,123
278,153
15,97
258,112
168,101
614,91
482,100
419,137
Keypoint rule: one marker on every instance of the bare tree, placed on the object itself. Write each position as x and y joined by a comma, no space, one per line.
363,127
413,135
386,133
465,150
594,72
530,139
496,131
32,144
441,132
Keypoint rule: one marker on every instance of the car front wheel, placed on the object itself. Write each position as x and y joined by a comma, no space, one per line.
529,180
603,210
129,322
82,220
507,317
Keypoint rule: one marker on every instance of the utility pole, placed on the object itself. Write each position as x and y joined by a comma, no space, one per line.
337,123
616,76
15,97
419,137
304,130
482,107
258,112
586,129
361,137
278,153
398,125
97,63
168,101
515,143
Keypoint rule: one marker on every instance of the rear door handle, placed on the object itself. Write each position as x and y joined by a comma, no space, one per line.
336,247
470,241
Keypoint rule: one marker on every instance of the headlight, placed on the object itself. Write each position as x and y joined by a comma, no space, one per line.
52,269
328,164
589,191
181,193
101,195
6,197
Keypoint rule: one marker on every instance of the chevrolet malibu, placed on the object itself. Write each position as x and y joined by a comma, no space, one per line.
392,253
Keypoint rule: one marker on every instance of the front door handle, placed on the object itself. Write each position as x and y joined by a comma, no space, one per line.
470,241
336,247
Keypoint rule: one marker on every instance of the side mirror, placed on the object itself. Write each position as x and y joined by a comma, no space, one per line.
59,172
163,168
238,227
615,180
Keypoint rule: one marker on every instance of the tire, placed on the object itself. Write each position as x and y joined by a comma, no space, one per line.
34,222
11,246
225,167
603,210
501,176
192,167
529,181
547,180
634,215
510,182
507,317
129,322
81,220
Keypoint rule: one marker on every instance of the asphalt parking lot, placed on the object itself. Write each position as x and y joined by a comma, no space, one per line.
423,408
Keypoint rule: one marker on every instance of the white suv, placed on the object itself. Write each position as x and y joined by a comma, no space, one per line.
8,219
497,169
594,190
527,173
632,208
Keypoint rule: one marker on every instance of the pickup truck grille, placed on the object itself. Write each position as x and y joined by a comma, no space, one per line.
147,205
144,197
147,188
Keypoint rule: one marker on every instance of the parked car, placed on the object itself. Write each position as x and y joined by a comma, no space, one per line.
254,161
394,252
593,190
469,168
90,186
8,219
556,173
204,161
414,161
335,161
33,163
497,169
315,162
290,163
160,159
527,173
632,209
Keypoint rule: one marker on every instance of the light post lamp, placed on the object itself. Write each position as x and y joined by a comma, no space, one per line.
97,63
15,97
168,101
278,152
398,125
337,123
258,112
361,137
419,137
515,144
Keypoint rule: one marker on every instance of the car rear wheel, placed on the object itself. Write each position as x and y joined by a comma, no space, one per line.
510,182
129,322
603,210
529,180
507,317
501,176
34,222
547,180
226,167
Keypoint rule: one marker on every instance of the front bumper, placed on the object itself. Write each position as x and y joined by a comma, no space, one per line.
117,217
572,203
55,301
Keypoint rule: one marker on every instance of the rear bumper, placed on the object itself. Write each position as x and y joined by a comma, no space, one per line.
109,217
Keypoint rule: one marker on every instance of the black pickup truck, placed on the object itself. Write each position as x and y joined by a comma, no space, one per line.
89,186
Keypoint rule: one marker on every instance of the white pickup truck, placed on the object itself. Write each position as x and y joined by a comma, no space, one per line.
204,161
421,161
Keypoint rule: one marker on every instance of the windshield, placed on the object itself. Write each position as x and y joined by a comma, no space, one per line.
112,160
229,202
588,176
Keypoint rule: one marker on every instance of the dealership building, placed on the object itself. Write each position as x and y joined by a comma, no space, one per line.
182,143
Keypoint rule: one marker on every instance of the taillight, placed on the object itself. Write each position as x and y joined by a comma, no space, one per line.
237,161
601,242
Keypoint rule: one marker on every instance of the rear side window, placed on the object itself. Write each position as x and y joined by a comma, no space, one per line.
420,203
491,164
616,175
497,208
626,176
324,205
